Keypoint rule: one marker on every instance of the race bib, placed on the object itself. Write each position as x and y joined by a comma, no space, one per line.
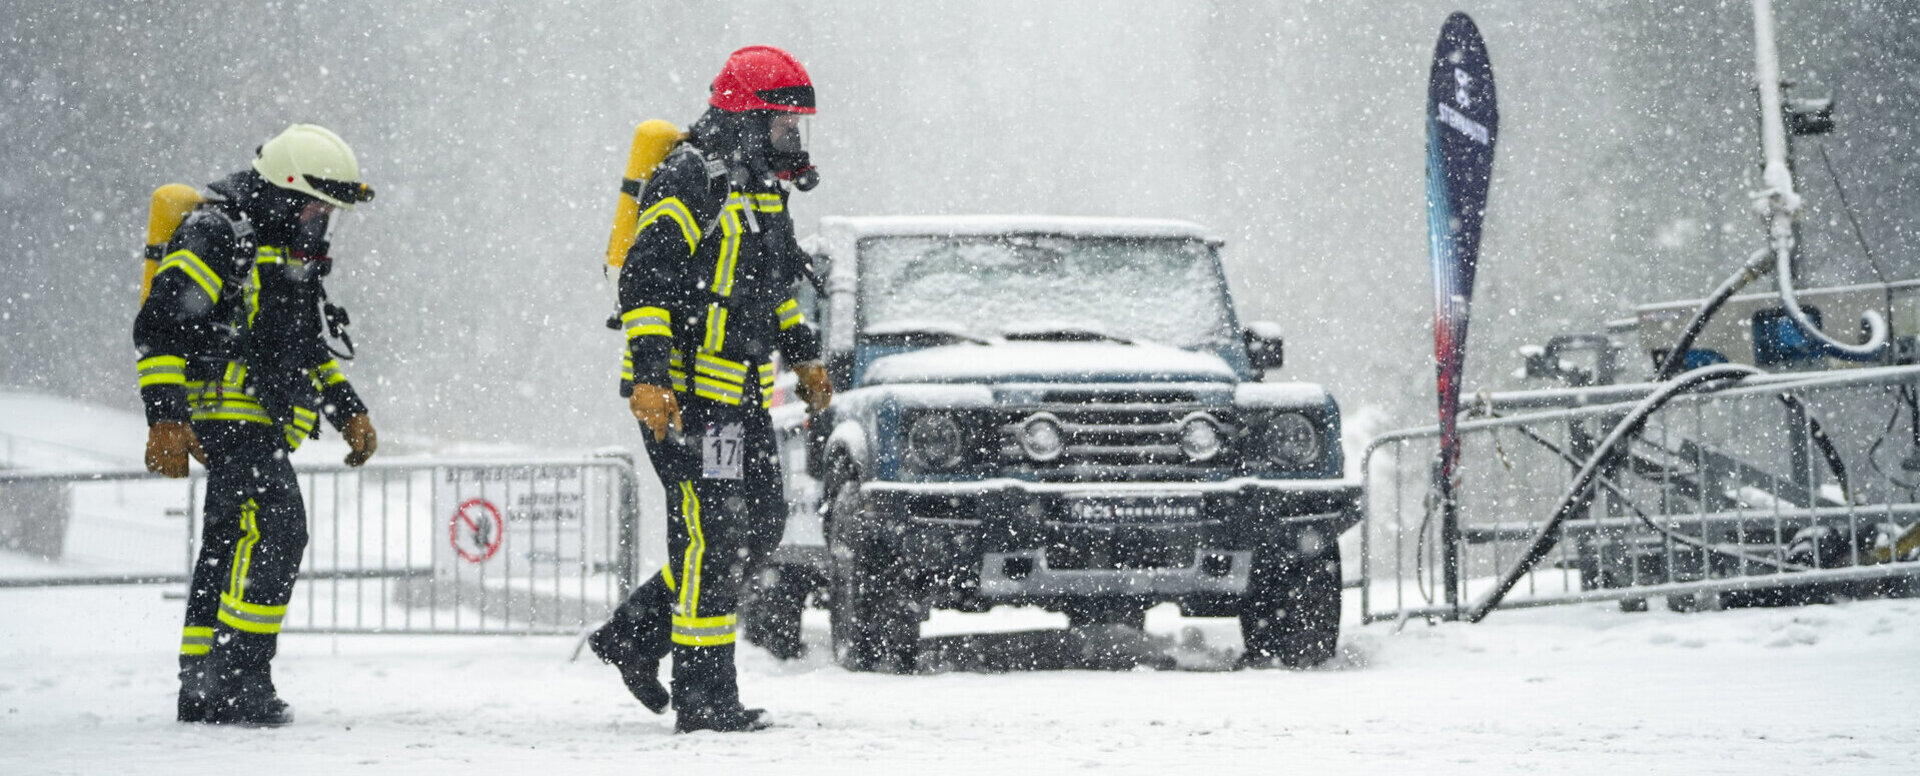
720,450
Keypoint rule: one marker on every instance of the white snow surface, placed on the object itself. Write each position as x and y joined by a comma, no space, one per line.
86,687
987,225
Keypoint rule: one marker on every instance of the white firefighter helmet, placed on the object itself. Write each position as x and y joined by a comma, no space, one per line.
310,159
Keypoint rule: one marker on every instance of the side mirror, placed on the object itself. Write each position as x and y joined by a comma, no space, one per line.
1264,346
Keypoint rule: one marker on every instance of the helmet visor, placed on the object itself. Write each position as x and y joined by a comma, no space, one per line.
787,133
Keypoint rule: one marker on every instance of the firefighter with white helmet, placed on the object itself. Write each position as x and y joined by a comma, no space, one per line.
235,369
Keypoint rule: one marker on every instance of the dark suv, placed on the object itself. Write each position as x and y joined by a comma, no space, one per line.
1060,412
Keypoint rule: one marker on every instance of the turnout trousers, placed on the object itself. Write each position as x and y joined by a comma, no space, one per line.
719,529
251,537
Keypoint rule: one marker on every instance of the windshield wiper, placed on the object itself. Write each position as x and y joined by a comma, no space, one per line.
1063,333
915,336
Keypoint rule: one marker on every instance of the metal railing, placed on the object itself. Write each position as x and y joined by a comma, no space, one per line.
1783,488
520,547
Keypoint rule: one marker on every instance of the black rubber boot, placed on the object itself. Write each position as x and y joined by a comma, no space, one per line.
640,674
242,696
727,720
197,690
706,695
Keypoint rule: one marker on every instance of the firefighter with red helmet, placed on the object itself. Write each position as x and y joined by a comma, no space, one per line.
706,300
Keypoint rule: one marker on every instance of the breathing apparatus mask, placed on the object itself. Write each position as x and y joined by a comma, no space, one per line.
787,136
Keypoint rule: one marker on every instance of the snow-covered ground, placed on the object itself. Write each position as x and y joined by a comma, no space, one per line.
87,686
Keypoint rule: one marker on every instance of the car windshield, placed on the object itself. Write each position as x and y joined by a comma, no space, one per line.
1030,286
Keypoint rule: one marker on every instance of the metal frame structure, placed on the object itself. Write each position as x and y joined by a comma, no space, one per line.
526,547
1712,500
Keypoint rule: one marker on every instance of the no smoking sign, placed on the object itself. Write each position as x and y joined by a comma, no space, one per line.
476,530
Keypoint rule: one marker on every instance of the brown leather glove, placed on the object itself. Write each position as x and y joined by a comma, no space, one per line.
169,442
655,408
814,388
360,437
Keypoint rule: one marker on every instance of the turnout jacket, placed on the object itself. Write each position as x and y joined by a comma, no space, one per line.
232,331
706,292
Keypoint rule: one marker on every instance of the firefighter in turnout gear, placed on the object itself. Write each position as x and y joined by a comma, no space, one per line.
706,299
235,370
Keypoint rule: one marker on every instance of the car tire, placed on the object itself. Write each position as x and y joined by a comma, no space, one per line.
875,616
770,617
1292,610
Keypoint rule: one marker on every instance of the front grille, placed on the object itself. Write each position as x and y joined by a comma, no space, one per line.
1116,440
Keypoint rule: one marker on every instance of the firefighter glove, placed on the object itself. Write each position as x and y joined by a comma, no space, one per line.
814,387
169,442
656,409
360,437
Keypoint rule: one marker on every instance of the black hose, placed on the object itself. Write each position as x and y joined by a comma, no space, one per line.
1756,266
1545,539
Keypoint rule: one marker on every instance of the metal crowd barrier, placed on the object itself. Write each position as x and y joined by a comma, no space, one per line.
497,547
1728,497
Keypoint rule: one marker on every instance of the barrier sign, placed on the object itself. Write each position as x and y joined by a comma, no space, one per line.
476,530
524,520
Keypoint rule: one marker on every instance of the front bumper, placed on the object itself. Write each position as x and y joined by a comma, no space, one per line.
1013,541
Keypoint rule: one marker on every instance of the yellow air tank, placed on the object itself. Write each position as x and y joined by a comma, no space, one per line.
652,141
171,204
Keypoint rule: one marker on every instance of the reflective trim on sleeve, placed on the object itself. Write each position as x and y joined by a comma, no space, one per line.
789,314
766,386
300,429
647,322
163,370
328,373
195,269
672,208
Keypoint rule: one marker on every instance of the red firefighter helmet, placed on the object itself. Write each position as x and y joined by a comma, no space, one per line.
762,78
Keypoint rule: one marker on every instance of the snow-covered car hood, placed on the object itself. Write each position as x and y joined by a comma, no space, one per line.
1038,362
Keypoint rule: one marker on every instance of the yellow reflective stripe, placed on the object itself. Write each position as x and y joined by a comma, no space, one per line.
196,640
301,427
709,364
789,314
766,203
716,329
708,388
163,370
647,321
251,618
696,550
704,631
195,269
729,250
626,366
666,575
267,254
672,208
329,373
243,552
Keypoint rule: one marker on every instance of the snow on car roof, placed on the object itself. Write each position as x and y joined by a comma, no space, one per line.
1079,226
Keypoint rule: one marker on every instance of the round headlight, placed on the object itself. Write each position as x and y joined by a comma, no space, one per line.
934,441
1200,438
1292,440
1042,439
